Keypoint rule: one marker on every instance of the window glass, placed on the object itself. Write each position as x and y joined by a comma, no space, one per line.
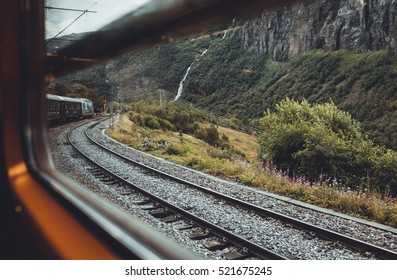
68,21
302,100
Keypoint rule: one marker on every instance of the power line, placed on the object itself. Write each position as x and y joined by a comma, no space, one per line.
220,120
66,9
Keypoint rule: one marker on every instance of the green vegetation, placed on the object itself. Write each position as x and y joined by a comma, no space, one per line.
173,116
230,81
190,151
220,79
75,90
337,153
177,117
324,144
363,84
141,75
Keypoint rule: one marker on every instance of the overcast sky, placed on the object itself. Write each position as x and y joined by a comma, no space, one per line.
106,12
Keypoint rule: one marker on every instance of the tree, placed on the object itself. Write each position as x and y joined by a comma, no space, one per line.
212,135
57,88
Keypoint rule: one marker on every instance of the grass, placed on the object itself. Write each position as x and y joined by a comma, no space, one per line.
240,141
189,151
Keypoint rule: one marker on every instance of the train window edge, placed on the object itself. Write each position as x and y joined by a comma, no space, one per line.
73,223
94,229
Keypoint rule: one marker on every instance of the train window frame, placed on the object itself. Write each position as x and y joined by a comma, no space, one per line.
48,212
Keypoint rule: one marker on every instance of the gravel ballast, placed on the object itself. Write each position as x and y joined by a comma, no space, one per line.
267,232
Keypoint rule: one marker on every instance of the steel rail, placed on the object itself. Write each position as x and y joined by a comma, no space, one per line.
134,237
354,243
253,248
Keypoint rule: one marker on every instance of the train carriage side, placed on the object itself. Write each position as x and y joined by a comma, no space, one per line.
72,109
61,108
53,108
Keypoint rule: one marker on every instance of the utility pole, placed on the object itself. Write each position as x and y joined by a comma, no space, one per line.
162,100
111,112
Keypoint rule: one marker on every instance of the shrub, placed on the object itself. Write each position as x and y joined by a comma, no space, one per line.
200,133
177,149
137,119
212,135
166,125
173,149
324,143
151,122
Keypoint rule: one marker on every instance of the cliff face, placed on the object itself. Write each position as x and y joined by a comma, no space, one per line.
359,25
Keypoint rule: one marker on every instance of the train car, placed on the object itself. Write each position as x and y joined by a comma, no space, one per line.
53,108
44,214
62,108
87,108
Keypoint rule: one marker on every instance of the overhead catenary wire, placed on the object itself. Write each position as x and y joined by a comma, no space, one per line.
220,120
67,9
76,19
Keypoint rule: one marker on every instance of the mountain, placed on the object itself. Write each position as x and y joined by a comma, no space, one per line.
340,50
55,43
359,25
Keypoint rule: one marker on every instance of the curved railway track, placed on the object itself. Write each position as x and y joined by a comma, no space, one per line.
171,213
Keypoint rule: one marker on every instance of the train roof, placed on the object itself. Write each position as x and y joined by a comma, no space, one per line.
65,98
85,99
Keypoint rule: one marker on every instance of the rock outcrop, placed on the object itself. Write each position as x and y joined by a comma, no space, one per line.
359,25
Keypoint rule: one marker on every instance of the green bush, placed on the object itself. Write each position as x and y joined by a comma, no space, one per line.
212,135
151,122
166,125
137,119
173,149
200,133
322,142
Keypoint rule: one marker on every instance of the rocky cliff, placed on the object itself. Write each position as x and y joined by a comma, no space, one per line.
232,74
358,25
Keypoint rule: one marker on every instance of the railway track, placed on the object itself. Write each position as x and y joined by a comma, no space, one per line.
185,218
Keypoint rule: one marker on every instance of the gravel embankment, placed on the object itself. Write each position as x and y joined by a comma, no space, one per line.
279,237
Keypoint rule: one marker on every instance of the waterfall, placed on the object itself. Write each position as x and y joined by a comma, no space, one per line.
180,89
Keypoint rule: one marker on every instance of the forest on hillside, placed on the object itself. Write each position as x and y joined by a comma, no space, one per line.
231,82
